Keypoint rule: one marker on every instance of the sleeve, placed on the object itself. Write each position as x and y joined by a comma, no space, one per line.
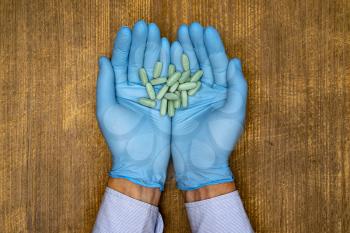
223,213
121,213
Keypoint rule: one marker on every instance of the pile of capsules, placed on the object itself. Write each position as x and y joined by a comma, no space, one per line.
175,90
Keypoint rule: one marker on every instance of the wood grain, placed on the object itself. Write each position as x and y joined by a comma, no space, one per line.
292,165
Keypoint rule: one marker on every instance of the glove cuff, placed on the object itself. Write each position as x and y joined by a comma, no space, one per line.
195,179
142,182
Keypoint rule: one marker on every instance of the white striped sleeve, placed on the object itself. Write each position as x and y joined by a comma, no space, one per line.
222,214
123,214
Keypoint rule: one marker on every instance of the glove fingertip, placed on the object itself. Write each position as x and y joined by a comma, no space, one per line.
234,69
102,60
105,88
237,63
235,77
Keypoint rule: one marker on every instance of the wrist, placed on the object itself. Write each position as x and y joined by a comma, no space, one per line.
138,192
209,191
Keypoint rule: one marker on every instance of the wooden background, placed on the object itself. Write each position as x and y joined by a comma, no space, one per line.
292,165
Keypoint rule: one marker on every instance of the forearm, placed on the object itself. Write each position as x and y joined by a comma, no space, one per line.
216,208
209,191
138,192
128,207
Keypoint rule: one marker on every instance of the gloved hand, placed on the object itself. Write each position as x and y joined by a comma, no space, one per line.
204,134
137,136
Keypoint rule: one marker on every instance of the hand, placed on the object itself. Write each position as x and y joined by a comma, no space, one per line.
204,134
137,136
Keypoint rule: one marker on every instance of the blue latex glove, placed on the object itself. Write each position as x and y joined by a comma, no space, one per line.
205,133
137,136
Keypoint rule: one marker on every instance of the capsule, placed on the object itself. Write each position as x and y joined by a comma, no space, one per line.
157,69
163,106
173,88
184,99
185,62
150,91
194,90
173,79
147,102
162,92
157,81
143,76
187,86
171,96
171,69
198,75
171,109
185,76
177,103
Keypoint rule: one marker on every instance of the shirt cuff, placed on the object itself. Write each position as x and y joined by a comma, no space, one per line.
223,213
121,213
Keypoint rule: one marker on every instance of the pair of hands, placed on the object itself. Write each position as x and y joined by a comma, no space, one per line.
200,137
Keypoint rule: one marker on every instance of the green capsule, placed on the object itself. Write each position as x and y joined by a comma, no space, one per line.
198,75
187,86
184,99
185,76
173,79
150,91
177,103
185,62
194,90
157,81
171,109
171,96
143,76
147,102
162,92
157,69
174,87
163,106
171,70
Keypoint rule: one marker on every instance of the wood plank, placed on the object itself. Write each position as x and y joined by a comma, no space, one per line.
292,165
